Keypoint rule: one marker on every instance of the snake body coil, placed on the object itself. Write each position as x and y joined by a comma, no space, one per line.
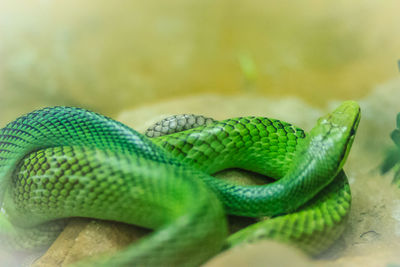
64,162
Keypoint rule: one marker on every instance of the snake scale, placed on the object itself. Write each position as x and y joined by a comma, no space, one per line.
63,162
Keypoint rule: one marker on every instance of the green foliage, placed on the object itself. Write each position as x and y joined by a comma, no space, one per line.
392,158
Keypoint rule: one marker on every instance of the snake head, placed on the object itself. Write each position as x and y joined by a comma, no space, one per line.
348,115
337,130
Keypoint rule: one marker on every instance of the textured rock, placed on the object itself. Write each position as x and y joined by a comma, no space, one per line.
264,253
84,237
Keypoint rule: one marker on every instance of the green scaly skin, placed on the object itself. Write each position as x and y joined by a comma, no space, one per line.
62,162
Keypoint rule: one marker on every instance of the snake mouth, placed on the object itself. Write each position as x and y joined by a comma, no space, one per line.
351,135
356,122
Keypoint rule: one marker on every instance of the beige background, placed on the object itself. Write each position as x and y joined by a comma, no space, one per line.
112,55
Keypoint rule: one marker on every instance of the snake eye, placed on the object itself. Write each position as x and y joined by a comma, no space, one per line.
352,132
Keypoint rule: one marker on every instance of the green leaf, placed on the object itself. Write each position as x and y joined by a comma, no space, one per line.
396,178
391,159
398,120
395,135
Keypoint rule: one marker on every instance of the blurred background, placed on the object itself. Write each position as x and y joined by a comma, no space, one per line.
113,55
139,60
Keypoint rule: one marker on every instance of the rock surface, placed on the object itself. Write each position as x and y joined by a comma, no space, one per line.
85,237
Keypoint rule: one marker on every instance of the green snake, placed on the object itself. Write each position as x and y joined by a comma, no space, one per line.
63,162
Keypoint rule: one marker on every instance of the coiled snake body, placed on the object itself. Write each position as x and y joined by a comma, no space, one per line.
65,162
